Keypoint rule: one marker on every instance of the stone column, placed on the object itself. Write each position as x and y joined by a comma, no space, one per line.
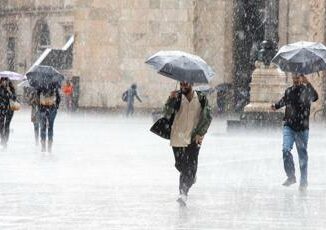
267,87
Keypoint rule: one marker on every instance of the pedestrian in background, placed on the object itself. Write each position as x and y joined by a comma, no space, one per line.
68,90
129,97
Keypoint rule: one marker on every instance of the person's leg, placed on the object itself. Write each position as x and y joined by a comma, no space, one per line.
301,141
128,109
51,118
189,163
36,131
178,151
43,121
8,118
288,141
132,109
2,126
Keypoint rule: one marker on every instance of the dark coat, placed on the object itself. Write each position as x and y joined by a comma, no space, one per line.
297,101
5,96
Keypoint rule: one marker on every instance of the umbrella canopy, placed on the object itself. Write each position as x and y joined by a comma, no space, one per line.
181,66
12,76
24,84
42,76
301,57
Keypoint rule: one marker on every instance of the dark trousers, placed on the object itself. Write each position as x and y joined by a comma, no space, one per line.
186,161
36,130
130,109
5,119
47,117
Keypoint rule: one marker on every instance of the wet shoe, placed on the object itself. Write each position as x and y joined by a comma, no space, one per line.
182,200
289,181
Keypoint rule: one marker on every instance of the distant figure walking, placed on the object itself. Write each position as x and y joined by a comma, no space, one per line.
34,102
49,99
297,101
7,97
129,97
68,90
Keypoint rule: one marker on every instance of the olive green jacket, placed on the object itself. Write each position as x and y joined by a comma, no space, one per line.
172,106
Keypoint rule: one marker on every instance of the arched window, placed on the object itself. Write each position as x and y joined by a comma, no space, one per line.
41,38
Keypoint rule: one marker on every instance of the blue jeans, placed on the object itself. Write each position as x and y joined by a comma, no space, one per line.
301,141
47,117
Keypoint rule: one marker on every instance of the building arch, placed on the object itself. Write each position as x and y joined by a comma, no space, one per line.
41,38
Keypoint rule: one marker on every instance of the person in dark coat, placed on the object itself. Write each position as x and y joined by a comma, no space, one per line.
33,101
132,93
297,101
49,100
7,93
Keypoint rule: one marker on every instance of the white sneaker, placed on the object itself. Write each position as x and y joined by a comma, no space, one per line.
182,199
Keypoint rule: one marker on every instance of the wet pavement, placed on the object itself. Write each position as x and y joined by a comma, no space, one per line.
109,172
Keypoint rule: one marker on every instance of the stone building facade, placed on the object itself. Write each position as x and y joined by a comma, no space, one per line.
114,38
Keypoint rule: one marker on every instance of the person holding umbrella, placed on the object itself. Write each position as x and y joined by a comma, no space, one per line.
192,117
187,111
7,98
47,82
49,100
298,58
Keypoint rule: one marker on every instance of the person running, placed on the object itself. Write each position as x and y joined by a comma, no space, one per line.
192,117
297,100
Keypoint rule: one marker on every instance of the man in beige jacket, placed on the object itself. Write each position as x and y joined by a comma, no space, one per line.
191,116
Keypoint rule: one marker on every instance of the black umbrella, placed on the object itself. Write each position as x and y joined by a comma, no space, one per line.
181,66
301,57
42,76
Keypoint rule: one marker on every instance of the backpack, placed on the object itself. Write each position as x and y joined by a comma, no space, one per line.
48,98
124,96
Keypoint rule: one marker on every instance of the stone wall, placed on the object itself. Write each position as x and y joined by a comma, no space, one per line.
24,15
113,40
213,31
